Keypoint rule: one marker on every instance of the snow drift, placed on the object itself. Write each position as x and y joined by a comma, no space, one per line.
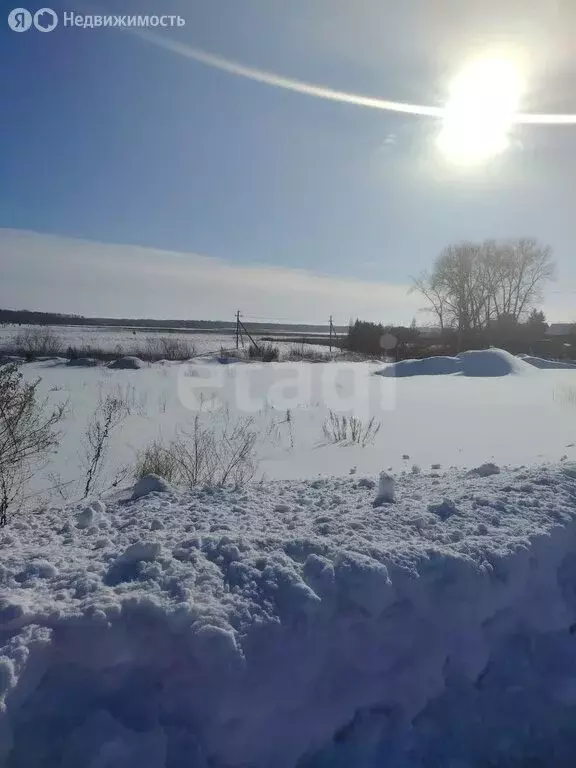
295,624
482,362
539,362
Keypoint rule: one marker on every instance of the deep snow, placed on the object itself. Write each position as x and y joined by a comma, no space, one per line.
453,420
296,624
126,340
483,363
354,606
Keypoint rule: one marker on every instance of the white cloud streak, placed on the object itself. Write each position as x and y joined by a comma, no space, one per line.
52,273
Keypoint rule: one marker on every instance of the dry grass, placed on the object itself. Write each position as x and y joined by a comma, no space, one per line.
37,341
301,352
205,455
350,430
565,396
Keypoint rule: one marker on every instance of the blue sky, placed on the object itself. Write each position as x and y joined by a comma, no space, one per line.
109,138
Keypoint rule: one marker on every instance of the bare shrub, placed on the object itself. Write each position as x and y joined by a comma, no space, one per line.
276,434
38,341
110,412
266,353
27,434
167,348
301,352
157,459
350,430
233,354
205,455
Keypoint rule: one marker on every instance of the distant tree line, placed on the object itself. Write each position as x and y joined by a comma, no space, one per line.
28,317
377,340
401,342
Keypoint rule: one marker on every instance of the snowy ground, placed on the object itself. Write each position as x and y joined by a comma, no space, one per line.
295,624
125,341
453,420
304,622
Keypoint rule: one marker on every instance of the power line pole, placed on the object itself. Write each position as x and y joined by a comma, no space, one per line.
237,328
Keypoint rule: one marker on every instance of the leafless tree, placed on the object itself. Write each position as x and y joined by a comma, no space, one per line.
473,285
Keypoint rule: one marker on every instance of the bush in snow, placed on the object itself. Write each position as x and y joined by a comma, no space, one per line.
38,341
27,434
168,348
108,415
157,459
301,352
340,428
213,455
267,353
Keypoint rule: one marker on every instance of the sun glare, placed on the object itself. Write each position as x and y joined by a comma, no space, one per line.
483,102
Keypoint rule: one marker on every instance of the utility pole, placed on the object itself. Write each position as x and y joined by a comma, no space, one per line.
237,328
330,334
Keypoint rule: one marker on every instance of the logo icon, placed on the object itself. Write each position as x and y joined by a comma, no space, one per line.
19,20
45,20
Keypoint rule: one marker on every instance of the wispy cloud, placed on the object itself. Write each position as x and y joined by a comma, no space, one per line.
54,273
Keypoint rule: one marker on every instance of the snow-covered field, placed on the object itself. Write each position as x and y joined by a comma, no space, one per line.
126,341
314,618
454,420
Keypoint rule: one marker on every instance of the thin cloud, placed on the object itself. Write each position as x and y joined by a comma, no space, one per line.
52,273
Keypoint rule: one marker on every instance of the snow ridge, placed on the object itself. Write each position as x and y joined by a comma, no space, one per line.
295,624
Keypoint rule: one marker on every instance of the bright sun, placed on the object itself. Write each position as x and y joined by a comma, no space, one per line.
484,100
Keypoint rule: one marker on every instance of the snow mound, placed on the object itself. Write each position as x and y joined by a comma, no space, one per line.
11,359
292,624
428,366
149,484
482,362
128,363
485,470
492,362
539,362
82,362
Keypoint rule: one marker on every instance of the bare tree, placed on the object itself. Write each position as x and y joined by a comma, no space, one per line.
435,299
517,272
474,284
27,434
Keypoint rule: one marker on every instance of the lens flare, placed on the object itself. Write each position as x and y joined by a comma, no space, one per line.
481,112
